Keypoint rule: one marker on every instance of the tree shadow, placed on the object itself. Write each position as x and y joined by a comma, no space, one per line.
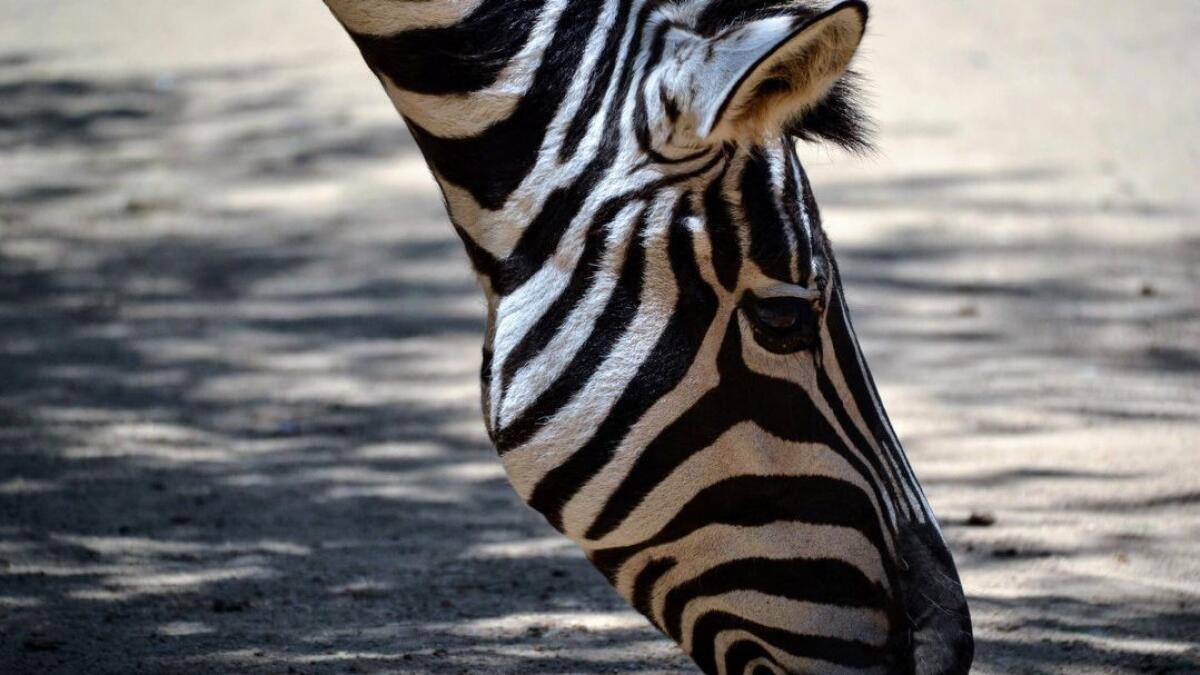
1056,633
1008,314
45,113
245,438
238,439
959,191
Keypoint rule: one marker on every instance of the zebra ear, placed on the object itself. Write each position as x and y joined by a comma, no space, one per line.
759,77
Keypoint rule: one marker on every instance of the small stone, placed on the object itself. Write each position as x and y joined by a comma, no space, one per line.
222,606
37,643
981,519
138,206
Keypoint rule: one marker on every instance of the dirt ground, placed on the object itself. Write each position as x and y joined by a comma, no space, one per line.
238,343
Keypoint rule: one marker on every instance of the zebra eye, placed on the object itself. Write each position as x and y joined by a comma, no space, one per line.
782,325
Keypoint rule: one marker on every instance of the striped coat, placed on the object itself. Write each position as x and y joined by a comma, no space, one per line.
670,374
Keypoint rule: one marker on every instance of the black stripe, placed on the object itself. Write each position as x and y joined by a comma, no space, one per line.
643,585
620,309
818,243
857,375
726,245
482,261
741,653
768,245
791,201
541,236
693,431
609,327
752,501
854,435
850,653
582,279
781,408
485,377
822,581
662,370
597,84
641,116
464,57
492,164
540,239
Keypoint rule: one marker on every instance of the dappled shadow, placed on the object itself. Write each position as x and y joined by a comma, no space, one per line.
958,191
1057,633
1188,498
50,112
239,427
1008,313
1076,355
241,436
1016,477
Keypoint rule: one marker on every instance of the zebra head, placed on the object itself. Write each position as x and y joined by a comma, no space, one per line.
670,372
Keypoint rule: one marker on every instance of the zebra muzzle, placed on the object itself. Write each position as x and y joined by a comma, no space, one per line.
941,642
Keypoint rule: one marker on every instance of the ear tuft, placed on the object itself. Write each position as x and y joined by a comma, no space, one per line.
839,118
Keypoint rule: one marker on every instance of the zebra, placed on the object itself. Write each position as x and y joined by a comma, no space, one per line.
670,375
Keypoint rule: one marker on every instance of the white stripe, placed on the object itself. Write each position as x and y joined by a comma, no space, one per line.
743,450
796,616
465,115
555,442
541,371
794,663
709,546
803,374
903,475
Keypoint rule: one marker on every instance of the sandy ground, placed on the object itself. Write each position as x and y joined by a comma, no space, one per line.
238,344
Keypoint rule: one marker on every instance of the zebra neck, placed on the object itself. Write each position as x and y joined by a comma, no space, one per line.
479,82
493,93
